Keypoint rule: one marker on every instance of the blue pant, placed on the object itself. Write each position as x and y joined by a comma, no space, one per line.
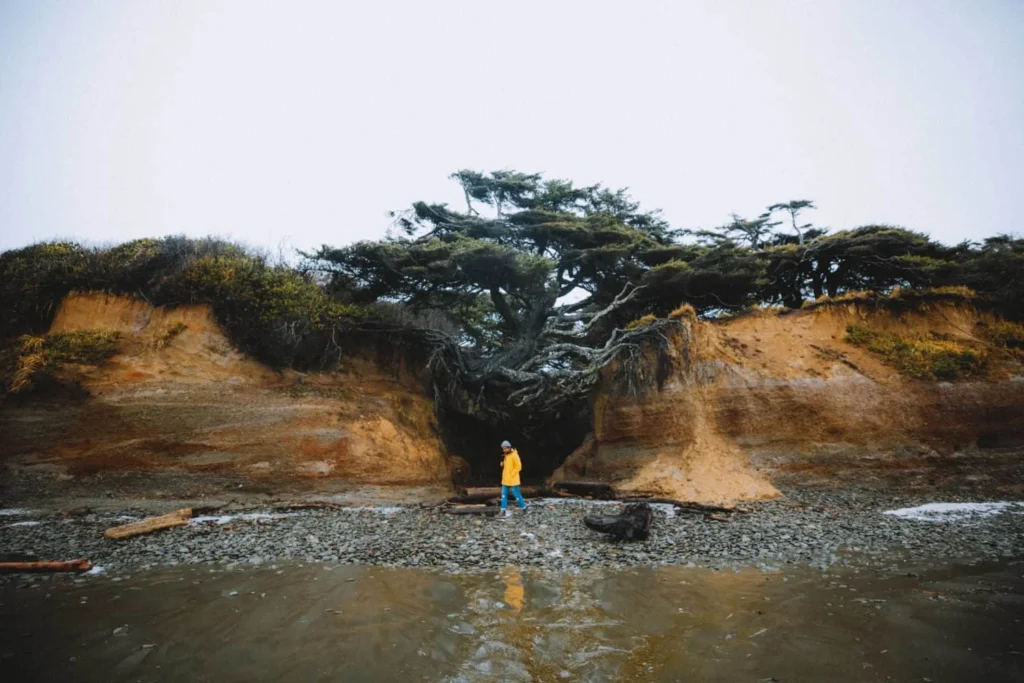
515,492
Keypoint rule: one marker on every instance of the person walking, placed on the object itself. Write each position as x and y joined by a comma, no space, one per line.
511,465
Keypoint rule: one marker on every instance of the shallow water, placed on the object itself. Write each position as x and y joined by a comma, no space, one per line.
317,623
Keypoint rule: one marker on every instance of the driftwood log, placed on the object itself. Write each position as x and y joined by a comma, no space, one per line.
633,523
68,566
470,510
683,505
482,494
145,526
595,489
308,505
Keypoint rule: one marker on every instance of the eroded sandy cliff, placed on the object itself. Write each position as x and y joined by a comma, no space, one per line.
178,396
762,398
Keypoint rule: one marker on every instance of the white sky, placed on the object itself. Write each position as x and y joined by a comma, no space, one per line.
301,123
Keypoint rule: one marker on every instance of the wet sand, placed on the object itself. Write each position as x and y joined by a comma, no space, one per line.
350,623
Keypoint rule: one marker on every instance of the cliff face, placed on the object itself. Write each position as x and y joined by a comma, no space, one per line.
179,397
764,398
746,404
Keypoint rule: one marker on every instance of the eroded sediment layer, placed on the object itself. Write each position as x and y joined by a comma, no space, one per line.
179,397
763,397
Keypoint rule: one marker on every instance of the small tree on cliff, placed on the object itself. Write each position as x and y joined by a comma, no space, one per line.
793,208
533,270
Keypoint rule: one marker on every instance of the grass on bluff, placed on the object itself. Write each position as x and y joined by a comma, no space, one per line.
899,299
924,357
35,359
643,321
1006,335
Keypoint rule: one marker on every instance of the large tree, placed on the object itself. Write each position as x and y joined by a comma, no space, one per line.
534,271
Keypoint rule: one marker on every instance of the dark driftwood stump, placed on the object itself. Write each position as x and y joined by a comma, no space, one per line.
633,523
594,489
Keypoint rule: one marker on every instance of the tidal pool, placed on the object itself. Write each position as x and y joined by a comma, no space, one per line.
349,623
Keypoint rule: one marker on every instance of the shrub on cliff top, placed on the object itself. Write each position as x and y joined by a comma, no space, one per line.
933,357
642,321
274,312
899,299
38,358
683,312
1006,335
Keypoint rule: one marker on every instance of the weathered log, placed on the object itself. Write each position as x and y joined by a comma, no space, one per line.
308,505
176,518
595,489
686,506
68,566
633,523
488,493
482,494
471,510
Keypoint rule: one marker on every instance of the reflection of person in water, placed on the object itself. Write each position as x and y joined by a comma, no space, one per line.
514,592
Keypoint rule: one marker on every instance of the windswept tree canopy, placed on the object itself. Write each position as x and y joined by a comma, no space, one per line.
521,297
539,278
532,270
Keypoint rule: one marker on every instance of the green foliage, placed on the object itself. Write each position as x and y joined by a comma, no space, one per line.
899,299
793,208
35,359
35,279
597,241
1006,335
277,313
272,312
723,277
995,268
499,268
931,358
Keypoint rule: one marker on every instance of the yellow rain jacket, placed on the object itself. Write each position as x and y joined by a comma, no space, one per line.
511,465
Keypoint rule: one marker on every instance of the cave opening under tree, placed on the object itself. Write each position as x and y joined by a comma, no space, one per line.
543,444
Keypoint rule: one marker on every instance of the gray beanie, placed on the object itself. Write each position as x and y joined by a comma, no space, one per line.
506,444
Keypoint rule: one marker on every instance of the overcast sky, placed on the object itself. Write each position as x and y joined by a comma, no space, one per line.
302,123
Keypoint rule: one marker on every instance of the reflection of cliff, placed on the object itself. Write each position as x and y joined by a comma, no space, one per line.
759,396
178,396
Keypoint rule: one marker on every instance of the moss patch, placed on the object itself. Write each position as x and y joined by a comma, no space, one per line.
924,357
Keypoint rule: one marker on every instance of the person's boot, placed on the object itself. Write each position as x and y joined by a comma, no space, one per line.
506,513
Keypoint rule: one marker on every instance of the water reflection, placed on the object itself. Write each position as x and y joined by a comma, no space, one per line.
358,624
514,592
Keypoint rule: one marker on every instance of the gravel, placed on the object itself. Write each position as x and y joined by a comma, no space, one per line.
808,527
